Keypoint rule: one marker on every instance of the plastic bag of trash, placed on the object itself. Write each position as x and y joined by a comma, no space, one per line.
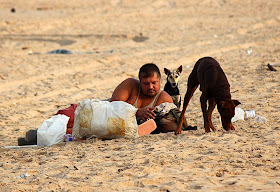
239,115
52,130
106,120
260,119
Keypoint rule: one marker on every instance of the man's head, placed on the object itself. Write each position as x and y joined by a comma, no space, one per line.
149,76
148,70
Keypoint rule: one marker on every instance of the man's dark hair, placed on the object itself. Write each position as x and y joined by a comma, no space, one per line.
147,70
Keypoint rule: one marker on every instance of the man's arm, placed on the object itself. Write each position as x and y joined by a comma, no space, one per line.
124,90
148,113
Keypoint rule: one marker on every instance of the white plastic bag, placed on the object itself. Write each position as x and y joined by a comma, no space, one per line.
52,130
165,108
260,119
239,115
103,119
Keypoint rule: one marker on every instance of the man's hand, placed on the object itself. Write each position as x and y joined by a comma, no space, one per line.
146,113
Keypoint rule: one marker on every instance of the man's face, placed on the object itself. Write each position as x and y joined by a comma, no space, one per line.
150,85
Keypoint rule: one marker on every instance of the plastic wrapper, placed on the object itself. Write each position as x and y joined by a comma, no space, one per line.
106,120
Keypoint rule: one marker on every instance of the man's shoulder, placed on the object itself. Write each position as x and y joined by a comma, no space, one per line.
164,97
131,81
125,90
129,84
164,94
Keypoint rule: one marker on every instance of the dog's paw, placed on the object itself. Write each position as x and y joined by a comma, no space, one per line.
178,132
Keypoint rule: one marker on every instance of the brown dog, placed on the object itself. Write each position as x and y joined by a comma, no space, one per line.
215,88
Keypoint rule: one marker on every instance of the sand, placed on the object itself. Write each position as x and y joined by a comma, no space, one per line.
110,41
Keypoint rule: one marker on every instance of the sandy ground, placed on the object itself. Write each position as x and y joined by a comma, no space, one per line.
110,41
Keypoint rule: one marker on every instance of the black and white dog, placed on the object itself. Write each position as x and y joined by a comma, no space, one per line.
171,86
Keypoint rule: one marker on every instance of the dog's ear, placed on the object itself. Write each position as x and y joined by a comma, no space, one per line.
179,70
236,102
166,71
222,104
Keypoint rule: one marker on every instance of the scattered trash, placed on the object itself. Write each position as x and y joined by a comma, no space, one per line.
249,51
260,119
68,137
187,66
60,51
16,147
239,114
23,176
109,51
65,51
52,130
250,114
270,67
33,53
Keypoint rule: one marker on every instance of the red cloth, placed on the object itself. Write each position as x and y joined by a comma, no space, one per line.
69,130
70,112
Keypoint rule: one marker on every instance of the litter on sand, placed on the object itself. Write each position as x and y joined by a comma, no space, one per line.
65,51
60,51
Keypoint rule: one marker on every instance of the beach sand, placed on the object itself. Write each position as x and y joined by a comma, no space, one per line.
110,41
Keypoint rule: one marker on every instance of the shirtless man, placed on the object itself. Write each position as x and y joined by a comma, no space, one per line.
144,93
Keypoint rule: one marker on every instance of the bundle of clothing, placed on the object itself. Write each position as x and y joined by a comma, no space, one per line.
167,118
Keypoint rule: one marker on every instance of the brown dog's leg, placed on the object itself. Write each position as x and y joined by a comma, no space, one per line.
187,99
212,104
231,127
203,102
182,116
192,85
